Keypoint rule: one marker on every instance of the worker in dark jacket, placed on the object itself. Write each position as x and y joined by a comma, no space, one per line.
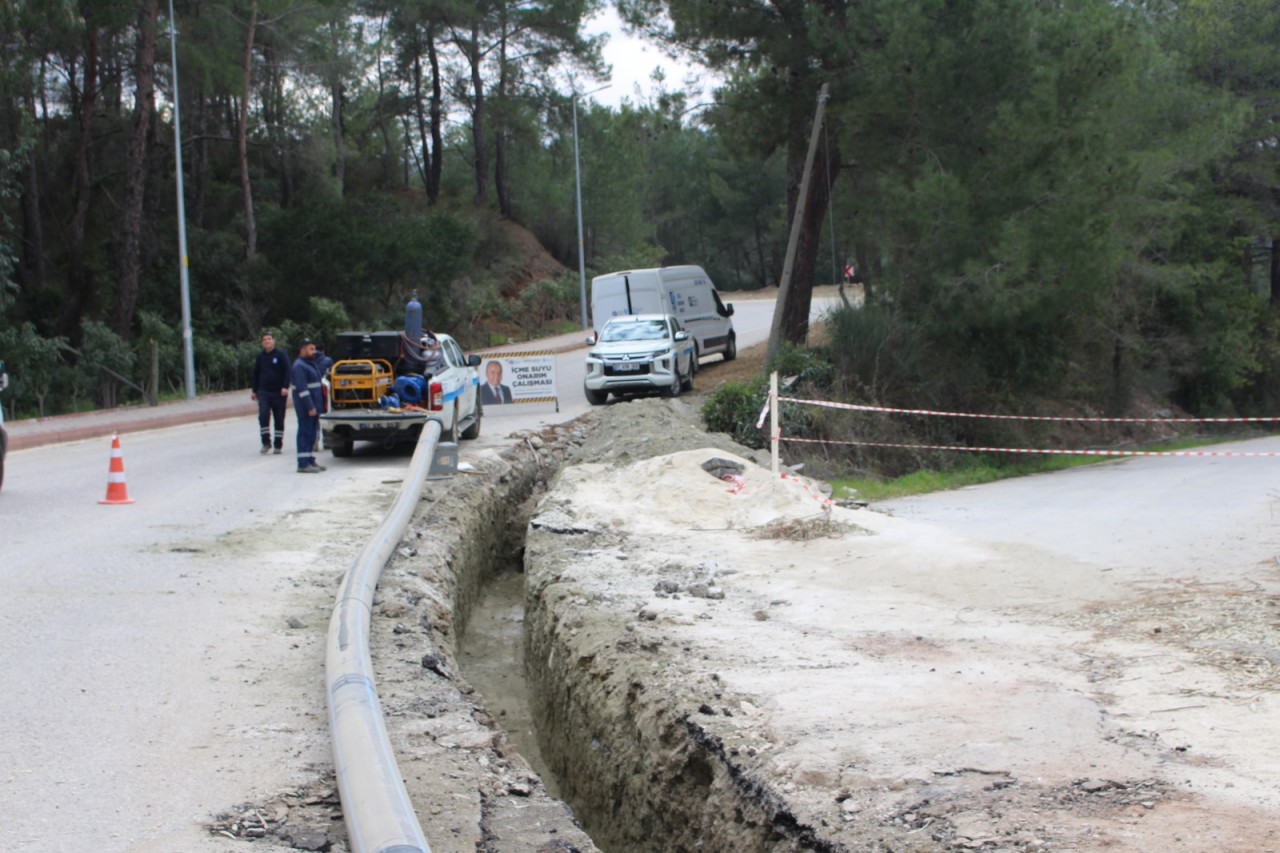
308,403
270,388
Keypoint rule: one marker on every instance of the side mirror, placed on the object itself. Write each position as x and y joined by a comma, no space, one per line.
591,340
473,360
682,335
728,310
4,380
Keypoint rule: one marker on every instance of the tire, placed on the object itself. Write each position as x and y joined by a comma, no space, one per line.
341,448
731,348
596,398
677,384
472,432
697,354
687,383
451,434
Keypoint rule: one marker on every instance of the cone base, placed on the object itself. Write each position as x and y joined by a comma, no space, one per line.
116,501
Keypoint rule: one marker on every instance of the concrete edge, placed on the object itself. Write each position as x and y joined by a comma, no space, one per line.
57,434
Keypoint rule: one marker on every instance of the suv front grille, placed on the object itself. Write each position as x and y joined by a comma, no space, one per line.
626,368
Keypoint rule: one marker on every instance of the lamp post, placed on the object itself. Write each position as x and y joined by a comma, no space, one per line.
577,180
188,350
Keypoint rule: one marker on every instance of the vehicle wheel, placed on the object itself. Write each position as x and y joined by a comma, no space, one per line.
596,398
697,354
472,432
731,348
450,433
340,447
687,383
677,383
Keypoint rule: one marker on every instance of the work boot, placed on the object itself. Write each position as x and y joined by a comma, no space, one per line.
265,448
276,451
309,469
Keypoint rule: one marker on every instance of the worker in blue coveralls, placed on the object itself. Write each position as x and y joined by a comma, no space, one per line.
323,363
271,390
308,403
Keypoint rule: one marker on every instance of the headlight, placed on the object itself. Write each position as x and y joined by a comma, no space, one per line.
593,354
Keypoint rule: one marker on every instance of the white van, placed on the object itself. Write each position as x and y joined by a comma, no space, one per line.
683,292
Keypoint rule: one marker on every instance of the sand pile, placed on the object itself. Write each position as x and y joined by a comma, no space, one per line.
674,493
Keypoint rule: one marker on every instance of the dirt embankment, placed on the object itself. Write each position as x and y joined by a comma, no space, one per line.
737,666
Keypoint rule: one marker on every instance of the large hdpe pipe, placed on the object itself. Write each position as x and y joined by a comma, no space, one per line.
375,803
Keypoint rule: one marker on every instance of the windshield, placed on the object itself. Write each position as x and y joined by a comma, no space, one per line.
649,330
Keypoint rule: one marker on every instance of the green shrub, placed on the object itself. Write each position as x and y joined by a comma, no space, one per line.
734,408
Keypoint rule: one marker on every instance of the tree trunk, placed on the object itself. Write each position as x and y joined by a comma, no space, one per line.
79,281
335,92
242,142
273,115
1275,271
867,271
435,164
477,117
500,136
424,165
806,174
796,314
200,168
762,267
32,271
380,114
135,170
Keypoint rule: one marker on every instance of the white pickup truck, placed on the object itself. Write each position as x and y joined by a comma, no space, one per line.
376,400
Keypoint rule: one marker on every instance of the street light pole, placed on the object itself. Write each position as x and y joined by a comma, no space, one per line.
577,181
188,350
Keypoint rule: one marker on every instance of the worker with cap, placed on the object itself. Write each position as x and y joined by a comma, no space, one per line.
308,403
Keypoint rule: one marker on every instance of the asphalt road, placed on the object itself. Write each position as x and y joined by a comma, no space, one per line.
154,672
163,661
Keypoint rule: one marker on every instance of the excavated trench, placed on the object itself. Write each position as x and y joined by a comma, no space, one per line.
686,683
505,701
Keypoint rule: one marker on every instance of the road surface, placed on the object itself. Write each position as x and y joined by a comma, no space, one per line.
163,661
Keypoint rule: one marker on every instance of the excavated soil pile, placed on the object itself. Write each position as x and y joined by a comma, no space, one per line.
738,665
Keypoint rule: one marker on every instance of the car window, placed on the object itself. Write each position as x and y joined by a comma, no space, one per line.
453,354
648,330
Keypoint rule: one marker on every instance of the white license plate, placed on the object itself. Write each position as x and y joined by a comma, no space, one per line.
625,367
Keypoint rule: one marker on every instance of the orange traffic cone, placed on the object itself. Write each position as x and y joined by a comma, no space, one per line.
117,491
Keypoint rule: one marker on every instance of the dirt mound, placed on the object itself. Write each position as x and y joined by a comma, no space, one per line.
531,261
696,686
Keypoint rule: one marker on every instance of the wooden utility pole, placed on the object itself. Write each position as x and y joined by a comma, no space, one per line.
777,331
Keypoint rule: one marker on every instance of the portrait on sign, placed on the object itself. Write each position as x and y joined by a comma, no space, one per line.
517,378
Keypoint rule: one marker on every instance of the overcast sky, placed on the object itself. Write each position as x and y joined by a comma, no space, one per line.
633,61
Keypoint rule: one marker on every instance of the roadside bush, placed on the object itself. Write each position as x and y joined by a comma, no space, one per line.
809,367
734,407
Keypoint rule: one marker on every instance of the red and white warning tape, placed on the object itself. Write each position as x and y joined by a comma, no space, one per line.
1029,450
883,409
809,490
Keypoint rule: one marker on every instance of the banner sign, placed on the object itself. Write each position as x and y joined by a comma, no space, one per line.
518,377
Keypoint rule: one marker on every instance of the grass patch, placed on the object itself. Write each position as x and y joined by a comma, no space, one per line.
975,472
